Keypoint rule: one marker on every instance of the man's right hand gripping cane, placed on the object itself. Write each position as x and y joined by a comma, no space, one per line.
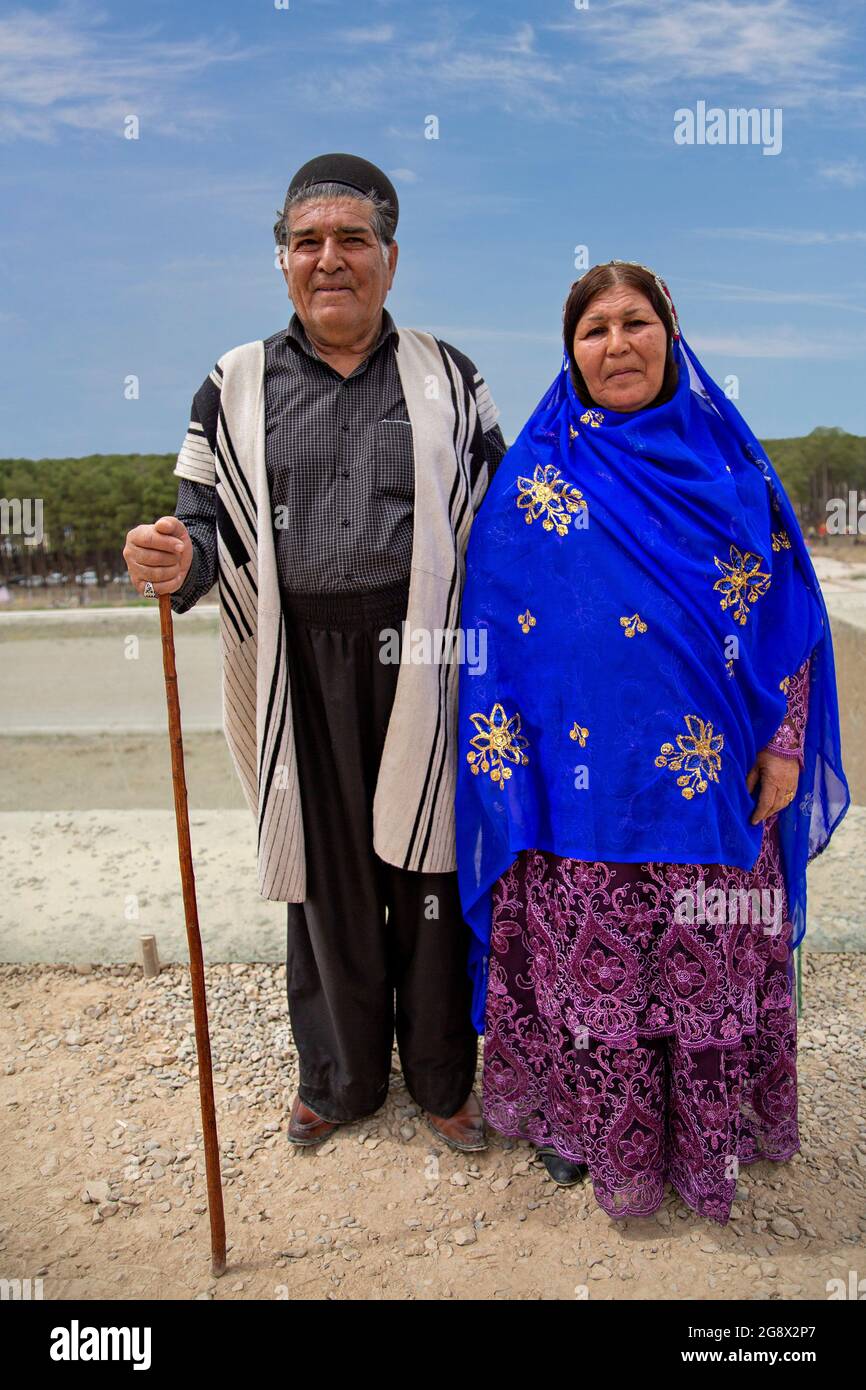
158,556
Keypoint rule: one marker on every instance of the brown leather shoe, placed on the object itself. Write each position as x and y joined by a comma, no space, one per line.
465,1130
306,1127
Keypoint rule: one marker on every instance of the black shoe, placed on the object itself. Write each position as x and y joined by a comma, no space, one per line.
562,1170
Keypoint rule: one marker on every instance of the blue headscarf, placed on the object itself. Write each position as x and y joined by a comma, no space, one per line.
645,591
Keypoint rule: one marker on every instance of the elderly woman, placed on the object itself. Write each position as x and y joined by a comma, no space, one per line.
648,762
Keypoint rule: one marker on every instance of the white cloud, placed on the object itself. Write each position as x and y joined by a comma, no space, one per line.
505,70
781,343
787,236
772,43
380,33
782,48
403,175
622,58
523,41
747,294
405,132
65,70
850,173
456,335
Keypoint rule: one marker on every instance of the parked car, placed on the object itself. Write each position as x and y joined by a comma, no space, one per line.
87,577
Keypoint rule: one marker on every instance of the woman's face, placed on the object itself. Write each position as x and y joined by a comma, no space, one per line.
620,346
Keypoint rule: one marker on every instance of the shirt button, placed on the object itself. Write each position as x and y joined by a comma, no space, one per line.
345,428
345,522
345,472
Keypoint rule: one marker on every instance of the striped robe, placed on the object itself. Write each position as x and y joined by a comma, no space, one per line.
413,808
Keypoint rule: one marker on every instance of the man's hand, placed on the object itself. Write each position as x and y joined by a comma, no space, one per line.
161,553
778,778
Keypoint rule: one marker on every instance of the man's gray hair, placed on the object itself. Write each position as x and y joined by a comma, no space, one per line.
383,221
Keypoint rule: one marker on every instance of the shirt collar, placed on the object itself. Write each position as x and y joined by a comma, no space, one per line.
297,337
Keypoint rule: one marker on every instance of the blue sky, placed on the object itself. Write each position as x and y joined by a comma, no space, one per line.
151,257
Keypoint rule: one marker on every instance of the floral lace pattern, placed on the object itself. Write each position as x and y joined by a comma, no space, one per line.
650,1048
787,741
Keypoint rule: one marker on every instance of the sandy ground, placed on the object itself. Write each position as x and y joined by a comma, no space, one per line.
114,772
82,886
104,1192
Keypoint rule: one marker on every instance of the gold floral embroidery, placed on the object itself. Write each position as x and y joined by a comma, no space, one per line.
729,667
579,734
633,624
743,582
498,741
526,620
572,432
699,756
548,495
592,418
779,540
784,684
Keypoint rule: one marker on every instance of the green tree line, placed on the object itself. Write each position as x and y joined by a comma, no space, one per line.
89,504
817,467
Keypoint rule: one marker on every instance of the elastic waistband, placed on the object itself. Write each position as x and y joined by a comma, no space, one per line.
383,607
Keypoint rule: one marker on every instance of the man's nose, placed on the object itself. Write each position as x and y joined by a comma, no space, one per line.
330,256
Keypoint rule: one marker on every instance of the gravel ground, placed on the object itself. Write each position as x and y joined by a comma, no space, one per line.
104,1194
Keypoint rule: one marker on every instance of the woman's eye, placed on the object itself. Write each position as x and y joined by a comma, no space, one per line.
637,323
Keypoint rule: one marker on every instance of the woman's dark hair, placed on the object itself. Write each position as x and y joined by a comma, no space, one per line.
583,291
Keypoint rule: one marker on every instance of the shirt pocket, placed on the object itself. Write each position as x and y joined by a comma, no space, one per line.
392,459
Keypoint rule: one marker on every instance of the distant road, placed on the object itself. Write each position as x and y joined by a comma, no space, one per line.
99,670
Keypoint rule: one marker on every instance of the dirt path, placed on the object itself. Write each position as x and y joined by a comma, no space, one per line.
99,1100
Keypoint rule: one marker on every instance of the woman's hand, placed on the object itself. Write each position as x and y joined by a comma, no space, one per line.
778,778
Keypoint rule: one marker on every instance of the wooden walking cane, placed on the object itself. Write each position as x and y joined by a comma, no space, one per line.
193,936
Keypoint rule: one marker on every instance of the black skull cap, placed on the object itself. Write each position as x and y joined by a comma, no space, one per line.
349,169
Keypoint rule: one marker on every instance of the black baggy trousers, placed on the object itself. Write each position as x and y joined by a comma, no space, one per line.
374,949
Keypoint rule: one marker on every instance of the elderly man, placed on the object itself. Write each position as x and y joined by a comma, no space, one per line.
328,482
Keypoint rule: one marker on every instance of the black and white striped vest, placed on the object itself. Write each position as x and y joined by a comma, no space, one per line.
413,809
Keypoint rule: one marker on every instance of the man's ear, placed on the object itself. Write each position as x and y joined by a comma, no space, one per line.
393,253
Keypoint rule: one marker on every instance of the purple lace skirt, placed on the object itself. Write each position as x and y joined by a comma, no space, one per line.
652,1046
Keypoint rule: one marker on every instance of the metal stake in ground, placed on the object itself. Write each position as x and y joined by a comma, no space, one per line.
193,936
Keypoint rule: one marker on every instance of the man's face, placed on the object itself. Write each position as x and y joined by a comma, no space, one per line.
335,270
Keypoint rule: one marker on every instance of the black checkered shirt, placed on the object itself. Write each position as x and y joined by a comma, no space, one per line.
340,460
